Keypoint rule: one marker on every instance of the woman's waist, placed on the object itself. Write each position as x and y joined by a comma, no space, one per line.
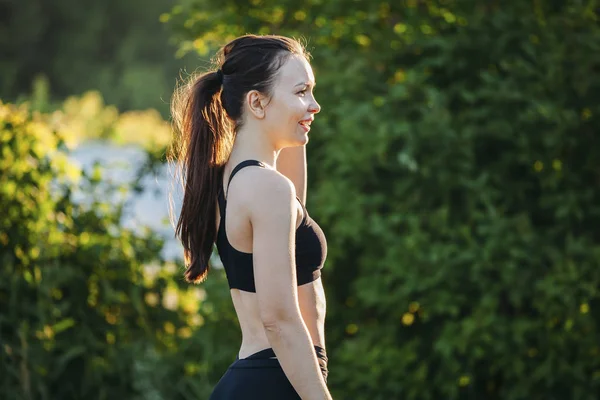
254,337
266,358
254,345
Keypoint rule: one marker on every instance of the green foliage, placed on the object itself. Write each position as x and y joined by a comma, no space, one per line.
88,309
464,251
87,117
117,47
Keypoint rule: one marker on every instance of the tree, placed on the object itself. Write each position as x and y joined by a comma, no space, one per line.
117,47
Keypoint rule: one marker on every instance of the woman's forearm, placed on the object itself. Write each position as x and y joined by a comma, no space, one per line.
291,343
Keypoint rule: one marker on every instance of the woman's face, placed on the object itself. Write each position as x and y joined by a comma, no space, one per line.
292,105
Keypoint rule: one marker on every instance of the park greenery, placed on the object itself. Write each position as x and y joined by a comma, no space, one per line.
453,169
117,47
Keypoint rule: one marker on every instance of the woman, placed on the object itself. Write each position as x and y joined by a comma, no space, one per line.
243,130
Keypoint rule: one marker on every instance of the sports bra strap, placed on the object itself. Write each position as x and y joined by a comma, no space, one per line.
221,199
244,164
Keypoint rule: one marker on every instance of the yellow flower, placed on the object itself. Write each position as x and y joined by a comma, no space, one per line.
351,329
414,306
584,308
408,319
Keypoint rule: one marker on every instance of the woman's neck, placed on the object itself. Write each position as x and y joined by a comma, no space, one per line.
253,146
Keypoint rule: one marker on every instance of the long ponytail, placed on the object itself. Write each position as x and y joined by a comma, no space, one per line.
203,143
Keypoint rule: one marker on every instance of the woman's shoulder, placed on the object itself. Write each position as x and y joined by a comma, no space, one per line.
262,182
266,191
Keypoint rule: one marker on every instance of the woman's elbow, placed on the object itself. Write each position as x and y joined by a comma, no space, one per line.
275,321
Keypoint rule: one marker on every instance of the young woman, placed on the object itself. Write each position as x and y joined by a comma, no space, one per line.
242,135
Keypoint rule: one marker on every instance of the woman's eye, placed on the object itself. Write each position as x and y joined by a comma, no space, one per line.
302,92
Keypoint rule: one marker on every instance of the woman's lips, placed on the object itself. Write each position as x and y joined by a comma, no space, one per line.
305,126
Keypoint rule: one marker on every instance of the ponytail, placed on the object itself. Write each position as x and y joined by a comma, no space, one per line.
203,143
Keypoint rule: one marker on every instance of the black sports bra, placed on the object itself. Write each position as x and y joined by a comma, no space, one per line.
311,247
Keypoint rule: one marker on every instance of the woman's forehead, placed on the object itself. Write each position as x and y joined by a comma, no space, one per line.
296,70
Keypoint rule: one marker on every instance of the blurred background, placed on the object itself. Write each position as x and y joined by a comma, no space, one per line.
455,169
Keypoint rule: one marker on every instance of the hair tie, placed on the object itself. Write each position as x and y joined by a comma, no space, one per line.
220,76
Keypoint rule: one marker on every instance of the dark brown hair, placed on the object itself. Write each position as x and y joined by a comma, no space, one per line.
207,111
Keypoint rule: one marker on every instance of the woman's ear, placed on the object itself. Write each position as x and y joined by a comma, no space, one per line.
257,103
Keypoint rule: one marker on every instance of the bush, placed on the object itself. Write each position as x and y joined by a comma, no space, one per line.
88,309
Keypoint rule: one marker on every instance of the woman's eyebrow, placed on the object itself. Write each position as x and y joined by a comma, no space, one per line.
313,84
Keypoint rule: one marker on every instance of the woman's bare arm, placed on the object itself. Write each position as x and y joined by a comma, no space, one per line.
291,162
273,216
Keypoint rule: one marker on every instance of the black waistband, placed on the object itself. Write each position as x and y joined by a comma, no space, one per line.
270,353
267,359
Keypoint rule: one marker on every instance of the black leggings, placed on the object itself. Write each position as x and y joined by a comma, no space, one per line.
259,377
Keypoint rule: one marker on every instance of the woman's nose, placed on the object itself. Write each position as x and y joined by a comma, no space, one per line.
315,108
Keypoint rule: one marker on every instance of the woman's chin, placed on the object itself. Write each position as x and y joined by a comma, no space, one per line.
303,141
300,140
